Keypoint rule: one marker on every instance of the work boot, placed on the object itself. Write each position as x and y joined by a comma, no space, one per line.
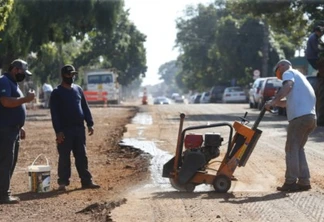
61,187
90,186
293,187
9,200
304,187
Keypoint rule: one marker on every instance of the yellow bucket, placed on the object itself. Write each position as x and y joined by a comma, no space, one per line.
39,176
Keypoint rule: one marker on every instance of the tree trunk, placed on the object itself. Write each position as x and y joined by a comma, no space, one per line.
265,50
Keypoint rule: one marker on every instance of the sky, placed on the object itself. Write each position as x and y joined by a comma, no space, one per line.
156,19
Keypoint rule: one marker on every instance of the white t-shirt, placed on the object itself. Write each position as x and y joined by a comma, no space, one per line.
301,99
47,87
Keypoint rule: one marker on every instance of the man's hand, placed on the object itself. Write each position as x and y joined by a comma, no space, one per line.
30,95
60,137
90,130
22,134
268,105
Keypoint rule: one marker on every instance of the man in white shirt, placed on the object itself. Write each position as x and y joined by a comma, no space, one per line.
47,90
300,105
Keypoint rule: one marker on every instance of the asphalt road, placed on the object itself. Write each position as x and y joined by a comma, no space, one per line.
253,197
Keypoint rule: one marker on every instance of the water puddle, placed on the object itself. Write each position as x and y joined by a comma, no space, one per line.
159,157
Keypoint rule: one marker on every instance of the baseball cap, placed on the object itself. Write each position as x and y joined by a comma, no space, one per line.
68,69
318,29
21,64
282,61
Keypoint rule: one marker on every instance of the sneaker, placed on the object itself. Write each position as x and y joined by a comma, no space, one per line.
61,187
304,187
90,186
9,200
289,187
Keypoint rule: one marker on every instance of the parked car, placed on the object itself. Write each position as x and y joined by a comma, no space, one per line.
269,88
254,92
234,94
195,98
178,99
161,100
205,97
216,93
175,95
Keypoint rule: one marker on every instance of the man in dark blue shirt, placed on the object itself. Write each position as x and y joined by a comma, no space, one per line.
69,110
12,120
312,49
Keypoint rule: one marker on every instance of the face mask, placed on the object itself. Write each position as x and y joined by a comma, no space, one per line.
20,77
68,80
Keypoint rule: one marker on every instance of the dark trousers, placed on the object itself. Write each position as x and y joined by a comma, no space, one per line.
74,141
313,63
320,101
9,147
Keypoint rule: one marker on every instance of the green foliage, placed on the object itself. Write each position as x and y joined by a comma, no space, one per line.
168,73
123,49
227,40
85,33
218,48
33,23
5,9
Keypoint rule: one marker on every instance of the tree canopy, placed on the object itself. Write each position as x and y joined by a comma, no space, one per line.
5,9
224,42
86,33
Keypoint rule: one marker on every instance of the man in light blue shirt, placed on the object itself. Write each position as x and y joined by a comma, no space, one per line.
300,105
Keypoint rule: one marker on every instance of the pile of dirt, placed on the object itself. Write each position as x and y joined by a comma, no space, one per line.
113,167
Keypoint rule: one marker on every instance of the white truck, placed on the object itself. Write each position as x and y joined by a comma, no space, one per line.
101,82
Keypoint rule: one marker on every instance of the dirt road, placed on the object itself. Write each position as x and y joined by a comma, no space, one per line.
253,197
113,168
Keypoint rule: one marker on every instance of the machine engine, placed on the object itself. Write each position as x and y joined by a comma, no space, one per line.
210,150
199,151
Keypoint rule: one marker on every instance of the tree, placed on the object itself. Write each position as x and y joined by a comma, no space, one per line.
219,47
195,40
123,49
284,20
5,9
33,23
169,72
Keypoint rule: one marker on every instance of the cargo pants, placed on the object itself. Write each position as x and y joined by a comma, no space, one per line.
297,135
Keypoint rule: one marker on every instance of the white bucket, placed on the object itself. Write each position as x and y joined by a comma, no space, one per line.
39,176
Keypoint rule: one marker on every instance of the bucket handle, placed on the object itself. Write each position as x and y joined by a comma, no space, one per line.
38,157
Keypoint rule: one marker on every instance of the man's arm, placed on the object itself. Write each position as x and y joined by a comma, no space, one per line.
12,102
283,92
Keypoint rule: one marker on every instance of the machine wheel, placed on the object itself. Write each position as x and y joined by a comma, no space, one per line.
189,187
222,183
176,185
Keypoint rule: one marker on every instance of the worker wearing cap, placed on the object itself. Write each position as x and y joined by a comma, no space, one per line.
300,105
69,111
12,119
312,47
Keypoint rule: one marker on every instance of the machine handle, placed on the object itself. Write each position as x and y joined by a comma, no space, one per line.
258,120
178,150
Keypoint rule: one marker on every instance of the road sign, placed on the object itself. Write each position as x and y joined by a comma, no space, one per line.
256,73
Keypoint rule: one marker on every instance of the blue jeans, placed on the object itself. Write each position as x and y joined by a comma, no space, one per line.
9,147
297,136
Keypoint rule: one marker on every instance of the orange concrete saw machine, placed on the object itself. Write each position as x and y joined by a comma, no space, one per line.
192,166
